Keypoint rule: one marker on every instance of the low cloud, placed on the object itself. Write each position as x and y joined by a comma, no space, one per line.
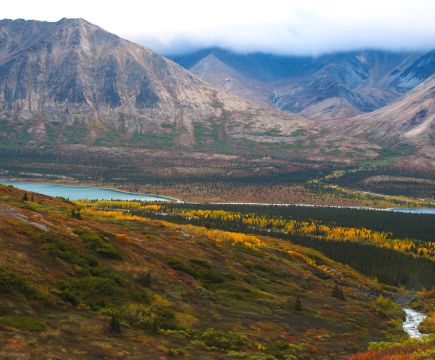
279,26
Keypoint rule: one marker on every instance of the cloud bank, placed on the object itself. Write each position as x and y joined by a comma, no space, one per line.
308,27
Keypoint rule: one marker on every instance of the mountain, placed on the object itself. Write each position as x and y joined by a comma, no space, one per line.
329,86
214,71
71,82
411,119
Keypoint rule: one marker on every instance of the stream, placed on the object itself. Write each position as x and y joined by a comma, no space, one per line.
412,322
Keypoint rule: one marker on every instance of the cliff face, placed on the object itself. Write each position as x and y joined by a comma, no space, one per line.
71,81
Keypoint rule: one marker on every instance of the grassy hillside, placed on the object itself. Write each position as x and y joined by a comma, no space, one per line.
117,286
396,248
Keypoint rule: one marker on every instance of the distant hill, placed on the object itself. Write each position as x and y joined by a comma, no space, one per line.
329,86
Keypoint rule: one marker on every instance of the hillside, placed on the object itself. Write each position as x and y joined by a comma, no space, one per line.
117,286
329,86
410,119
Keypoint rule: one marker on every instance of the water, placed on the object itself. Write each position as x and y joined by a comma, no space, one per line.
412,322
82,192
429,211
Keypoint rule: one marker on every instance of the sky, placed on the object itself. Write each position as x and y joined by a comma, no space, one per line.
302,27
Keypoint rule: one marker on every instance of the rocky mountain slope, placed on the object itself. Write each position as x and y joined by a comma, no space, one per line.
329,86
411,119
73,82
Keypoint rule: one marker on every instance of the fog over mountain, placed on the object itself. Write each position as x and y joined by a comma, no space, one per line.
310,27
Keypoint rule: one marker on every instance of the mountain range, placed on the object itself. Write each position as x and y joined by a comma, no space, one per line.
71,82
335,85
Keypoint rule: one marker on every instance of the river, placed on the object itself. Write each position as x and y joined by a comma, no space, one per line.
413,320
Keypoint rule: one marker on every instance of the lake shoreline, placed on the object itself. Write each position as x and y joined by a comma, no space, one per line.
113,188
8,182
427,211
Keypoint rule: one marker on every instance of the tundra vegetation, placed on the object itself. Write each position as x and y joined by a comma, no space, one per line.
127,280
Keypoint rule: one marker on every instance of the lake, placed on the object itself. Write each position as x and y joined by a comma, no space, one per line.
415,211
428,211
82,192
93,193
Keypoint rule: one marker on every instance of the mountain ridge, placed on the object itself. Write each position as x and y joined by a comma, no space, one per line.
323,87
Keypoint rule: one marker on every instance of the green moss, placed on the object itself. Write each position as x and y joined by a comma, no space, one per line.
165,318
62,249
11,283
180,265
95,292
211,136
201,263
165,141
151,318
145,279
211,276
22,322
75,134
223,340
108,138
197,268
99,245
388,307
284,350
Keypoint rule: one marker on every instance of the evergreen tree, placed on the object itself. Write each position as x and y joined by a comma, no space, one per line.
75,214
25,198
115,325
298,304
338,293
145,279
155,325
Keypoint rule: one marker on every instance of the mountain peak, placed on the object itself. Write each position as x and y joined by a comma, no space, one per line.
74,21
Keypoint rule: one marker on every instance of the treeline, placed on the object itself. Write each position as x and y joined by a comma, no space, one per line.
415,183
388,266
122,168
400,225
396,262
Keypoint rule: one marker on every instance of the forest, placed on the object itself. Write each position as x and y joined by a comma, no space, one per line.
367,240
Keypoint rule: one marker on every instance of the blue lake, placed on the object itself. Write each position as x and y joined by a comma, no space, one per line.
82,192
429,211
